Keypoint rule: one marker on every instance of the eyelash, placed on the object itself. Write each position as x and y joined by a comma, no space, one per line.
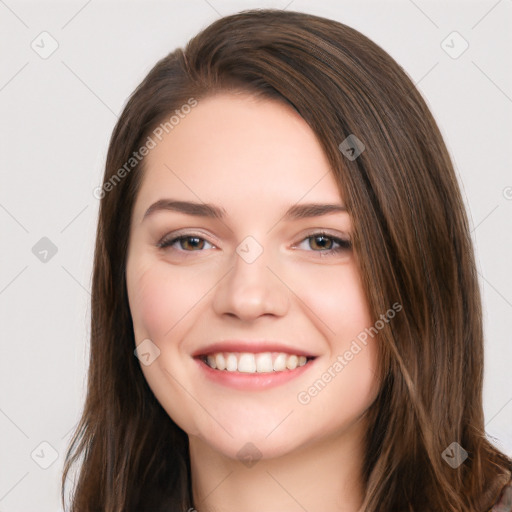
343,244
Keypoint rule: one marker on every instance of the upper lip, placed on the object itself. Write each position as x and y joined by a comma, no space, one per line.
254,346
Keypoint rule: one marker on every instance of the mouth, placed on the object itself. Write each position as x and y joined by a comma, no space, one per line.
254,363
252,371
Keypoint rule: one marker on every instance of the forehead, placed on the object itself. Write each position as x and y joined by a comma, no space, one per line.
234,146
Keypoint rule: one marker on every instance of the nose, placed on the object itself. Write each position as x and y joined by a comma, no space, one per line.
250,290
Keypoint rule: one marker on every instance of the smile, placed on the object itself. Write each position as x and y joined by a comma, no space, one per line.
248,362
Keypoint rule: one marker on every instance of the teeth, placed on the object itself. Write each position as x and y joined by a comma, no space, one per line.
264,363
292,362
231,363
248,362
280,363
220,362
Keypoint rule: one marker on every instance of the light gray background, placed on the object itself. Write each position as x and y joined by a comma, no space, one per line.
57,116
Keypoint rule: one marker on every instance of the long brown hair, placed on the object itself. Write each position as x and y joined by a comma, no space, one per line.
412,241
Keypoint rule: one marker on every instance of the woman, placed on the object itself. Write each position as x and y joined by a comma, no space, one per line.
283,246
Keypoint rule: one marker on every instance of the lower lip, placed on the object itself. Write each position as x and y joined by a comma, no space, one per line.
251,381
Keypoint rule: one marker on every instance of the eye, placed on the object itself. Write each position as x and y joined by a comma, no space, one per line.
187,243
321,242
326,244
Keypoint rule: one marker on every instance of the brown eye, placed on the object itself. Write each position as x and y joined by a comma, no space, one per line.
326,244
321,242
187,243
197,243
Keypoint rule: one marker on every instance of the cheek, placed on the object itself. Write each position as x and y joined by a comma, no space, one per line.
148,300
158,299
346,382
336,297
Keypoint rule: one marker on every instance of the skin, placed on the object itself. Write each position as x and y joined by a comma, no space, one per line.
254,158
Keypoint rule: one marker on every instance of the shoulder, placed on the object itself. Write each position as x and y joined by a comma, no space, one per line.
504,503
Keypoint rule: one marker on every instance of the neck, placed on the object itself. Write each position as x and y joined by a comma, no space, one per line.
322,475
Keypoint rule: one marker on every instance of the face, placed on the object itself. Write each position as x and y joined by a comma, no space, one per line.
258,281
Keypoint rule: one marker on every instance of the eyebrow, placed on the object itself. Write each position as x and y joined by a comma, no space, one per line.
295,212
